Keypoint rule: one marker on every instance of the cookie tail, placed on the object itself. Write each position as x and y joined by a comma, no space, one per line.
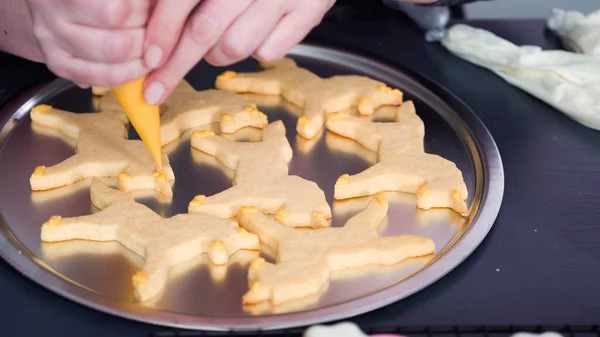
222,148
372,216
268,230
383,251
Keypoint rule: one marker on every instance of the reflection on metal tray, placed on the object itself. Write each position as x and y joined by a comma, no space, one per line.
98,274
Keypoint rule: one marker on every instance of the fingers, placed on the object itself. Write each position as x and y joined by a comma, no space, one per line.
101,45
164,29
82,86
92,42
203,29
86,73
291,30
245,35
110,13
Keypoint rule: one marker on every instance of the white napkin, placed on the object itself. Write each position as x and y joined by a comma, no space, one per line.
580,33
568,81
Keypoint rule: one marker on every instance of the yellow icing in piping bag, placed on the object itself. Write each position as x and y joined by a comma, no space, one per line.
144,117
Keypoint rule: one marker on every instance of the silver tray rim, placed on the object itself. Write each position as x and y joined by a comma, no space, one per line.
491,195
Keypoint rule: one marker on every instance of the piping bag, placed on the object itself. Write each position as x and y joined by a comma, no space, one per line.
144,117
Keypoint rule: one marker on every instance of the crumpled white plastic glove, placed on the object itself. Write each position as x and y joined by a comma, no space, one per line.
580,32
346,329
568,81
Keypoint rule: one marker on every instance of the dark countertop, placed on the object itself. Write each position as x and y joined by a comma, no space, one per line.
539,265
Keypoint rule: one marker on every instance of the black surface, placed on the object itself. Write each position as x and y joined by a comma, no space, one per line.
415,331
539,265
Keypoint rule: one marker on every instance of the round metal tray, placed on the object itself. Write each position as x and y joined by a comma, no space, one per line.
98,274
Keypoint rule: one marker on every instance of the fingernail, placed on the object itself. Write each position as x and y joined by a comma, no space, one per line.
153,56
154,93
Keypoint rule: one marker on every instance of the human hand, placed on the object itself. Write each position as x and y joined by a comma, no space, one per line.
223,32
92,42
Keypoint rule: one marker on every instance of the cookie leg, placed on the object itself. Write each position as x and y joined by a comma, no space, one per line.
304,203
172,249
71,170
377,178
139,181
268,230
95,227
149,282
283,282
312,122
443,193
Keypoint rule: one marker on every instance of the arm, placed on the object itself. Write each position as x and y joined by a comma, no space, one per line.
16,31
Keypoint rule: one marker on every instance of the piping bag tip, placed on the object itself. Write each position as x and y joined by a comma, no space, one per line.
144,117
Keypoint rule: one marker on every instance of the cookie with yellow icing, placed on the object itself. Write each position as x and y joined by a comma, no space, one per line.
187,108
102,151
262,180
317,96
403,165
306,258
162,242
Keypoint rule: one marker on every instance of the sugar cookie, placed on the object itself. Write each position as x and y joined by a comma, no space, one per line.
162,242
388,139
403,164
261,180
340,93
305,258
187,108
316,95
283,78
102,151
